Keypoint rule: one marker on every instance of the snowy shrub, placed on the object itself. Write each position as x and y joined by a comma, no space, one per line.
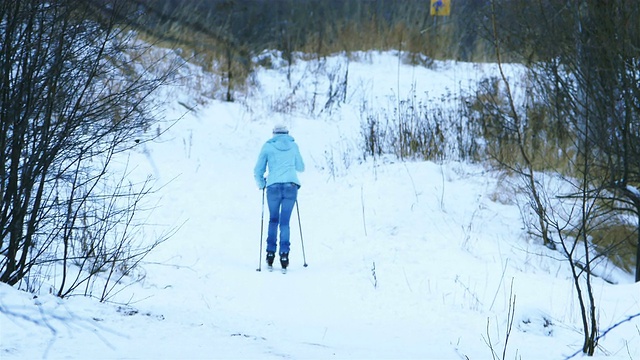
416,128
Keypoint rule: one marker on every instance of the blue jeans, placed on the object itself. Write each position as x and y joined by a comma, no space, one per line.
280,198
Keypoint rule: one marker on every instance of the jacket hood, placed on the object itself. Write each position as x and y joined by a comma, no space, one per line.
281,142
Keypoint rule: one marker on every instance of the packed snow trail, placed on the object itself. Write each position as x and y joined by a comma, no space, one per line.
372,273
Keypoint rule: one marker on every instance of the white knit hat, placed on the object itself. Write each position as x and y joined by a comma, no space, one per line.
280,129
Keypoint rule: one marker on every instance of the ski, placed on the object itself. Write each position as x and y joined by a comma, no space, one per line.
270,268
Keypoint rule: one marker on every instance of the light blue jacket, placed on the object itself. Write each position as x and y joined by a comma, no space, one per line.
282,156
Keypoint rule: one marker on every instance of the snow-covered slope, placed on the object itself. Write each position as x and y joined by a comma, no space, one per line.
406,260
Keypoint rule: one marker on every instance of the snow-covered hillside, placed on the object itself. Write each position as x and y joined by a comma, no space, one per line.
407,260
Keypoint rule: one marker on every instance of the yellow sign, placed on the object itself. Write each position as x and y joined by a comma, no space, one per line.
440,7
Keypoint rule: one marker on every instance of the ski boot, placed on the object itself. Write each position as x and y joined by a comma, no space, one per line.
270,257
284,261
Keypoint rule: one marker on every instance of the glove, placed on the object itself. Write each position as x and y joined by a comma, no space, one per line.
262,184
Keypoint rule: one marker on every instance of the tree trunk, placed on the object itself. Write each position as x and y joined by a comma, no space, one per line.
638,254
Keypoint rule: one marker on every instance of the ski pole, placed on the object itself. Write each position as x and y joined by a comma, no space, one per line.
304,257
261,233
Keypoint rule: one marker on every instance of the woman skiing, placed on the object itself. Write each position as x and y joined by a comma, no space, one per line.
281,156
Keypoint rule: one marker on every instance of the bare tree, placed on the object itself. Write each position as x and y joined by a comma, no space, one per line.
576,85
609,73
513,124
71,98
